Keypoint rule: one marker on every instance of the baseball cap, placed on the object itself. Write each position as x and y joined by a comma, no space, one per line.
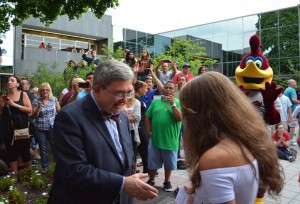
186,65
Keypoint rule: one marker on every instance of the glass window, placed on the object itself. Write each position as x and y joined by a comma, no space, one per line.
130,35
251,23
150,40
269,41
219,28
224,56
219,45
274,64
83,45
235,26
269,20
287,64
225,69
54,42
288,17
209,47
141,39
193,31
205,31
67,44
289,41
231,68
235,43
33,40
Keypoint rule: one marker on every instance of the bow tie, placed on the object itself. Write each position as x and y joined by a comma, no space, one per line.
107,116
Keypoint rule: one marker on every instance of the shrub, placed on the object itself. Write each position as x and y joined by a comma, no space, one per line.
25,174
15,196
37,181
6,182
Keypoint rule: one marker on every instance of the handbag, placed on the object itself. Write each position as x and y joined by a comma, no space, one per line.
19,134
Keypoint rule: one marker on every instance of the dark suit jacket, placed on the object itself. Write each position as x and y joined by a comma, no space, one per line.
88,167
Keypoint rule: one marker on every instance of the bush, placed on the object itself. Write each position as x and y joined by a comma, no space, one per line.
15,196
7,182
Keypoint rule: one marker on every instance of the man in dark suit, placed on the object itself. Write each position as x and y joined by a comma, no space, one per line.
92,146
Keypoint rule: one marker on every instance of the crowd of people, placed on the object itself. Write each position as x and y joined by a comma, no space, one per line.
127,108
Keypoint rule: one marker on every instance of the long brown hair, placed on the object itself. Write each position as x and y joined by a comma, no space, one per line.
211,104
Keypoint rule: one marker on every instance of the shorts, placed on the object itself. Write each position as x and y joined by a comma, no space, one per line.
158,157
293,123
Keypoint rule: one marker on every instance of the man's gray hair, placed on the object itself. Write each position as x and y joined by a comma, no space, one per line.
290,81
110,71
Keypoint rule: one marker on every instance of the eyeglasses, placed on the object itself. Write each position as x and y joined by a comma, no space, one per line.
45,90
121,95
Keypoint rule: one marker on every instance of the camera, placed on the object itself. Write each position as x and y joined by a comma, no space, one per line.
164,98
4,98
166,61
83,85
147,71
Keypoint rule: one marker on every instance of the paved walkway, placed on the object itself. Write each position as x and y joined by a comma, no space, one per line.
290,193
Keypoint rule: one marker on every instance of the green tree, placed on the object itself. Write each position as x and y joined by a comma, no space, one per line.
279,37
186,51
48,11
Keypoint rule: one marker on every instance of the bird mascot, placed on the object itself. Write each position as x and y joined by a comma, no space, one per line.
254,77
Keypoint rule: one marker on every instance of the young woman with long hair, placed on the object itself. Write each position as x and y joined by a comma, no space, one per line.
13,106
145,63
228,151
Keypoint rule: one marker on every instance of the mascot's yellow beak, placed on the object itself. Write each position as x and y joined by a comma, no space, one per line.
253,78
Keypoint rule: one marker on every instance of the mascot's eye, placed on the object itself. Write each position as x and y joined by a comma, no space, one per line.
248,61
258,63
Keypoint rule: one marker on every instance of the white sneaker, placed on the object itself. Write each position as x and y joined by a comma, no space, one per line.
291,158
293,143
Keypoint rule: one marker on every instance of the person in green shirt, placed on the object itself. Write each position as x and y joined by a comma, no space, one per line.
163,124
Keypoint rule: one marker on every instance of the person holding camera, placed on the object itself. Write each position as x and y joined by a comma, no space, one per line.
77,88
163,124
165,75
87,85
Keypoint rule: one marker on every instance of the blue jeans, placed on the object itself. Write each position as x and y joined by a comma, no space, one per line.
283,154
43,136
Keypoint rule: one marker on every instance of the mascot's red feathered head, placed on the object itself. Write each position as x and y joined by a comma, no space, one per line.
254,70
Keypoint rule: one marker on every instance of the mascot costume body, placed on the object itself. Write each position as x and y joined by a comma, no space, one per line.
254,76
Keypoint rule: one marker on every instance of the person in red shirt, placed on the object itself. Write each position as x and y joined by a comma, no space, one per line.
282,142
42,45
185,72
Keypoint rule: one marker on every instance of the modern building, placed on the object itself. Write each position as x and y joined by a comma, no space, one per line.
87,33
227,41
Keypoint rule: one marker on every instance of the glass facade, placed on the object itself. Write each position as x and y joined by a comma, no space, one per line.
228,41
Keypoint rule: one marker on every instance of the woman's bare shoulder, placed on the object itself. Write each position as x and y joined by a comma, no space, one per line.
225,154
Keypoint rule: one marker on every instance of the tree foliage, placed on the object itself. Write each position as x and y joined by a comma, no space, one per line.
47,11
186,51
279,37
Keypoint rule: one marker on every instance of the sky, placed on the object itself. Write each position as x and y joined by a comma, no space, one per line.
156,16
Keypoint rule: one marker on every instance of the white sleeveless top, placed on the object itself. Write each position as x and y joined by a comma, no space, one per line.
225,184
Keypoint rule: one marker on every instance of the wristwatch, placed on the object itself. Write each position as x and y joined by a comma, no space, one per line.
173,105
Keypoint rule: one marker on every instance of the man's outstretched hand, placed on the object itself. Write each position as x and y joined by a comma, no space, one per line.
135,187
